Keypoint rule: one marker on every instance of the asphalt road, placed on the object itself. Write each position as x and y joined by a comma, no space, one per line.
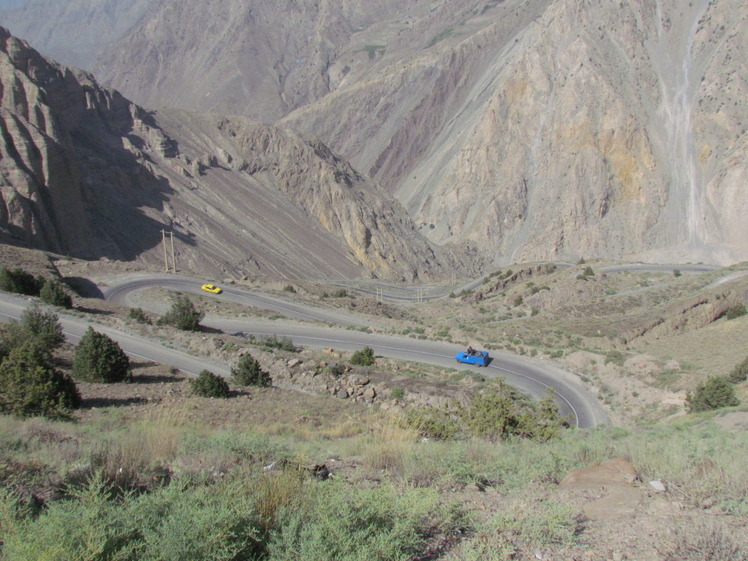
531,376
119,294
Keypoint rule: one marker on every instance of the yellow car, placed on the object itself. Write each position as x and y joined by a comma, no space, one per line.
212,288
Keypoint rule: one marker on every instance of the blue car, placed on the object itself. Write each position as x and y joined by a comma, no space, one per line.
471,356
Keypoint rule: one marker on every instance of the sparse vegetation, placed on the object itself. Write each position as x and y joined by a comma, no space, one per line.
739,373
372,50
208,384
440,37
280,343
735,312
397,393
139,315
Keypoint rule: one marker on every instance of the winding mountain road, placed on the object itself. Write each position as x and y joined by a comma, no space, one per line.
531,376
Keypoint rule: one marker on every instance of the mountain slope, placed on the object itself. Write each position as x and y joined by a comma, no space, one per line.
530,129
85,172
537,129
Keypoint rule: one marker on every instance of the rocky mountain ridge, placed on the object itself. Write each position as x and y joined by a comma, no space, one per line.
529,129
85,172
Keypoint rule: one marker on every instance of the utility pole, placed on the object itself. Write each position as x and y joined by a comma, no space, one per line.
166,255
173,257
166,258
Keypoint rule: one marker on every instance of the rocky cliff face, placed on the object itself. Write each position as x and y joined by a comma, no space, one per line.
85,172
565,129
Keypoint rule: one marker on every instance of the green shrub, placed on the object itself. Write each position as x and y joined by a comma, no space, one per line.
139,315
289,288
735,312
249,373
430,422
100,359
43,327
208,384
716,392
30,386
616,357
182,315
739,373
54,293
177,523
343,523
20,282
363,357
337,370
282,343
493,414
397,393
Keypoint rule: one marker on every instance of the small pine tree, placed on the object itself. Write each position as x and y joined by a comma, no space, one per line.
208,384
100,359
54,294
182,315
363,357
20,282
30,386
716,392
43,327
249,373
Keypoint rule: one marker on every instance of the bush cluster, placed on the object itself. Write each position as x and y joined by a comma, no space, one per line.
496,414
280,343
248,372
363,357
182,315
53,293
30,385
139,315
100,359
715,393
739,373
20,282
208,384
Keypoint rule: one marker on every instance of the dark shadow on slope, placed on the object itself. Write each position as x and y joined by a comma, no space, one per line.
84,287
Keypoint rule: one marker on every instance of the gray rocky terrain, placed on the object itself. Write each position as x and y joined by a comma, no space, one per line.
528,129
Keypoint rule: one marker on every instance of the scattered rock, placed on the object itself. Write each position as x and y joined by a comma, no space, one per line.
658,485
